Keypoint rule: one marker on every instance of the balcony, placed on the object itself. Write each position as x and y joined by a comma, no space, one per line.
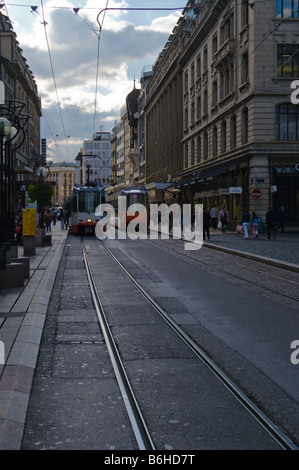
225,52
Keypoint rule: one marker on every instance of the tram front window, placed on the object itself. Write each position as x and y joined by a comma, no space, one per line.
135,199
88,201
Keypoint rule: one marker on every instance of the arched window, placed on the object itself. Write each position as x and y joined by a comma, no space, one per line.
287,122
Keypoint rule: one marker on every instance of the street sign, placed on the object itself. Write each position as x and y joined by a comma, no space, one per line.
235,190
256,194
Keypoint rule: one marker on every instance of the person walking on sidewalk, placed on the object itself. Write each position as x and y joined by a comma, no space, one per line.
255,225
48,219
245,222
223,218
206,224
271,221
61,218
214,216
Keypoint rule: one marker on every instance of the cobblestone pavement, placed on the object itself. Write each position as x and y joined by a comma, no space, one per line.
284,248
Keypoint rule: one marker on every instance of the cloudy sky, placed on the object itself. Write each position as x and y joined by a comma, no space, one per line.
62,49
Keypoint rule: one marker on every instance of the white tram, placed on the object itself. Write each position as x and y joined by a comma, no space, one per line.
84,202
133,196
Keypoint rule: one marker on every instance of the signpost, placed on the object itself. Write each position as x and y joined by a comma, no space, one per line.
256,194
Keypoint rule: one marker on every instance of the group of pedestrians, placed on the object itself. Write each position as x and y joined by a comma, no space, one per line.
219,219
50,217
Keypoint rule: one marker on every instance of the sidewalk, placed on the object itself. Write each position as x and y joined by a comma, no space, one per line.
22,316
23,312
282,252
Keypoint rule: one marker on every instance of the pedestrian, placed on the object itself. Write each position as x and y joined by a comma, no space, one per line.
66,218
61,215
206,224
281,219
48,219
223,218
255,225
245,223
214,216
54,214
271,221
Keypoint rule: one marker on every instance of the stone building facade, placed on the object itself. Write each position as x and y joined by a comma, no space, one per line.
21,105
219,114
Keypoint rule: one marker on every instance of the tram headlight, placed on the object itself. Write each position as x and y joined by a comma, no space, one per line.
89,221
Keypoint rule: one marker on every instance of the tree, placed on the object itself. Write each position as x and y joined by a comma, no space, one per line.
42,193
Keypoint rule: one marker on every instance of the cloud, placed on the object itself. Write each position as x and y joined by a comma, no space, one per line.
70,58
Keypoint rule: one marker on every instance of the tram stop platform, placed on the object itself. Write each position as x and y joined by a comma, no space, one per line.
23,312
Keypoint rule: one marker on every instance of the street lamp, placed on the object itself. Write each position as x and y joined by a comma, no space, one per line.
5,130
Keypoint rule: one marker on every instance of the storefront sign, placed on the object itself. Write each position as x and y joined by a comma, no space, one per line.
235,190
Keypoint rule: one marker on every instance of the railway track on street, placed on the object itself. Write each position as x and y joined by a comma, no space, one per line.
143,431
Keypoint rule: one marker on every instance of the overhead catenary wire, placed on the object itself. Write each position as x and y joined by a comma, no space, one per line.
53,74
267,34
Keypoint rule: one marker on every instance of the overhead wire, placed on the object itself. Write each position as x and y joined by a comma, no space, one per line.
53,74
76,10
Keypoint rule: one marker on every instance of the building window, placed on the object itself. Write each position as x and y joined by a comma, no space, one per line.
186,155
205,59
244,68
223,136
186,118
233,131
186,82
192,152
287,8
288,60
244,13
192,113
198,66
214,93
205,102
206,145
214,140
214,45
287,122
192,74
244,126
198,111
198,149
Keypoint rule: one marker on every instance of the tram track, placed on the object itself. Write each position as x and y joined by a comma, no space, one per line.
140,429
245,268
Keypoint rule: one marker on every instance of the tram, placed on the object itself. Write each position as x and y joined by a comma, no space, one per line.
133,196
84,202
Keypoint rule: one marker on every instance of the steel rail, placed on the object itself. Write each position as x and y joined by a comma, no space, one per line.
279,436
230,273
140,430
